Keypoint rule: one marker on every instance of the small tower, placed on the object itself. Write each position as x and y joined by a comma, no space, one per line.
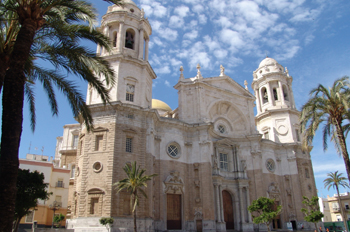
277,118
129,32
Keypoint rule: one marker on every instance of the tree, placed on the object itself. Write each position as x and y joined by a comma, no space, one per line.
263,211
52,30
107,221
312,211
335,180
57,219
30,188
329,107
134,184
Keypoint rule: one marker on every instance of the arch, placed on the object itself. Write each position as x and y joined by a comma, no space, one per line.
95,191
130,38
229,114
228,210
264,95
285,92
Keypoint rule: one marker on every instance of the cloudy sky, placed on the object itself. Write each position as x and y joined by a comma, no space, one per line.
311,38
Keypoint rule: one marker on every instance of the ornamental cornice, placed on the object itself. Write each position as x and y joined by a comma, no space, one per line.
270,112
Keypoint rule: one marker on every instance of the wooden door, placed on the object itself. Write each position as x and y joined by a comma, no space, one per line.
174,212
228,210
276,222
199,225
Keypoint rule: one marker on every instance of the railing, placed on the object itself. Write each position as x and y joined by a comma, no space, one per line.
336,209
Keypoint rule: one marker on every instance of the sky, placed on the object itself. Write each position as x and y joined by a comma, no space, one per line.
310,38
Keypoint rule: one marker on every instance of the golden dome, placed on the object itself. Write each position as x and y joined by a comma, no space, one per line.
159,105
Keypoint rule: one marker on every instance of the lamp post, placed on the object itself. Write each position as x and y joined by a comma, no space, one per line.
55,206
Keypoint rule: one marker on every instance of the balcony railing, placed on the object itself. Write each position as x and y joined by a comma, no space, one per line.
336,209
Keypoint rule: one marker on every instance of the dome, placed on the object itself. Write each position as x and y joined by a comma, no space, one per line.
129,2
161,106
267,62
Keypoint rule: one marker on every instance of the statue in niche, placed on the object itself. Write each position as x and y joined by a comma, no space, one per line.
129,40
265,97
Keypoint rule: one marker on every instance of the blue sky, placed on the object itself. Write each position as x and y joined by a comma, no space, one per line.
311,38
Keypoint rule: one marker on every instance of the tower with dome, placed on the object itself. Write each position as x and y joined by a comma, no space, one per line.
213,156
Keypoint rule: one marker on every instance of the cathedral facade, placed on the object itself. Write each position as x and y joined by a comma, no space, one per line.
213,157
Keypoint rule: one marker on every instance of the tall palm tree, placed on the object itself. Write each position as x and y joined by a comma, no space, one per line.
134,184
51,30
335,180
328,107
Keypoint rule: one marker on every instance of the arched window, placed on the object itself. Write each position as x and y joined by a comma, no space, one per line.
115,39
265,97
275,95
285,93
129,39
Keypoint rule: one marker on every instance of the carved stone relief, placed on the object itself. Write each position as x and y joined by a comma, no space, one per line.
174,183
274,191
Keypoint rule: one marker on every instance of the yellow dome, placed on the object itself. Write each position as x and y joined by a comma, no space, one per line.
159,105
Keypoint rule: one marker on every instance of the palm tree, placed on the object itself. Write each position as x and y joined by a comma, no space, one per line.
51,30
134,184
335,180
329,107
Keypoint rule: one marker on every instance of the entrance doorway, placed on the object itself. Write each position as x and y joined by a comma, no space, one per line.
174,212
228,210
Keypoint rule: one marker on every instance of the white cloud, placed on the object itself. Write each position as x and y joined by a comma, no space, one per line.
176,21
168,34
202,58
167,83
218,5
175,62
159,10
309,39
202,19
305,16
153,8
162,70
191,35
232,37
182,11
198,8
220,53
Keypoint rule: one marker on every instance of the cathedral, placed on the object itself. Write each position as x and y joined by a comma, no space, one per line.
212,156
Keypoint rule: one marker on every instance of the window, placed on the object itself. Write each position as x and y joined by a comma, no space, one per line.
285,93
297,134
59,183
58,199
115,39
223,162
75,141
264,95
173,150
307,175
128,145
266,135
98,142
130,91
97,166
347,206
339,218
270,165
275,95
72,173
94,206
221,129
30,216
129,39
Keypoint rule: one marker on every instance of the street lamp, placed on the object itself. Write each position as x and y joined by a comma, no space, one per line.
55,206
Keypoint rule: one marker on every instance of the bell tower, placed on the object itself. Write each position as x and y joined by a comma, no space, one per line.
277,118
129,32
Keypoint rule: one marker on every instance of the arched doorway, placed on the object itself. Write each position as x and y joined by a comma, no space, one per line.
228,210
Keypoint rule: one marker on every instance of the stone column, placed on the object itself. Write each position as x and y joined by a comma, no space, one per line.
105,32
257,95
121,37
291,95
241,198
269,94
281,92
217,202
146,50
221,205
248,203
141,44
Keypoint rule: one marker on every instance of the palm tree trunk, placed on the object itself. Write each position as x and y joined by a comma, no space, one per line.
342,210
15,229
12,118
344,150
135,225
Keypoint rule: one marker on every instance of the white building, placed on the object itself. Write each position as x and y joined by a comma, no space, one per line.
213,157
58,180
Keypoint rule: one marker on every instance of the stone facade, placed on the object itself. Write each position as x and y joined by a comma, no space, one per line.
212,155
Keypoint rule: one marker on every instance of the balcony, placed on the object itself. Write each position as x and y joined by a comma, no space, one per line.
336,209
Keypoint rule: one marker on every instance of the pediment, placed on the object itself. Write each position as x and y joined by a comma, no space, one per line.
129,130
227,83
225,142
